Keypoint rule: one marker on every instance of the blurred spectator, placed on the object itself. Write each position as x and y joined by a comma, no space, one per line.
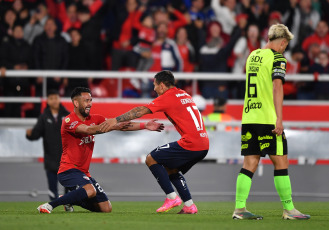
187,53
15,53
22,13
225,13
163,16
245,45
325,10
50,53
305,90
294,57
49,128
258,12
7,25
322,67
68,15
122,47
165,53
186,50
146,36
36,24
90,32
214,57
274,18
320,37
301,19
196,10
78,60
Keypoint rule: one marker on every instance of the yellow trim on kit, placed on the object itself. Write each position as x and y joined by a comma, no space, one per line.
279,145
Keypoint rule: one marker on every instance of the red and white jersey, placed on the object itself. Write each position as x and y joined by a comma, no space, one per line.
77,148
181,110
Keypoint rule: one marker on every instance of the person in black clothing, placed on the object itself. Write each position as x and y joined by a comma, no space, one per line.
49,128
50,53
213,58
90,33
78,60
15,54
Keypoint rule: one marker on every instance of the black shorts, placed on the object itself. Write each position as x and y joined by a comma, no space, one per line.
173,156
74,179
258,139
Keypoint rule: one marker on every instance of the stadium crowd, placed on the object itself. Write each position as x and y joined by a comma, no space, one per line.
154,35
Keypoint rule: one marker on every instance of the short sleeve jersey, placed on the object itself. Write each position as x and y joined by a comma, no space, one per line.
182,112
262,67
77,148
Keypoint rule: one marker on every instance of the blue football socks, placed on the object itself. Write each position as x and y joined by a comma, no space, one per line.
73,197
179,182
160,173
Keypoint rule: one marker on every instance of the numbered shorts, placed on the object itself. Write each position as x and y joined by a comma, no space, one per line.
74,179
173,156
258,139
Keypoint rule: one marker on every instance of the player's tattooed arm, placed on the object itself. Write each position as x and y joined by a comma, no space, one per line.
134,113
88,130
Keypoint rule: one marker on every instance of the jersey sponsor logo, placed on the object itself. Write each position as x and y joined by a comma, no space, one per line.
253,69
267,137
256,59
246,137
244,146
182,94
263,146
67,120
283,65
87,140
186,101
252,105
74,123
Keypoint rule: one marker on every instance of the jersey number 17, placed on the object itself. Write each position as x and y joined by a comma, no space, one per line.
196,116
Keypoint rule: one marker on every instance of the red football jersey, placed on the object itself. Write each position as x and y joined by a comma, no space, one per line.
181,110
77,148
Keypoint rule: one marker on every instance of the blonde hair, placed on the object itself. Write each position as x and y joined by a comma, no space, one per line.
279,31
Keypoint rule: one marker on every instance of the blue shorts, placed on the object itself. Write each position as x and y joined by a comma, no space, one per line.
173,156
74,179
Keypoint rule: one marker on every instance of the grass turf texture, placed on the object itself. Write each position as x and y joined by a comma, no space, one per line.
141,215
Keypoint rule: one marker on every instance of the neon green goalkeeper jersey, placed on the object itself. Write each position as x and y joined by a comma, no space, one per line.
262,67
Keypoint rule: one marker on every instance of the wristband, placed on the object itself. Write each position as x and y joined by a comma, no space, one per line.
142,125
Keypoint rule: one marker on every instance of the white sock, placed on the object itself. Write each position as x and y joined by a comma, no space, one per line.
171,195
189,203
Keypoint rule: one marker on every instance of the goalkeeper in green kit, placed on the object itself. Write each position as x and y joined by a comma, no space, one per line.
262,129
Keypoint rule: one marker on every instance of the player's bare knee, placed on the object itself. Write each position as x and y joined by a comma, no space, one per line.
91,191
149,160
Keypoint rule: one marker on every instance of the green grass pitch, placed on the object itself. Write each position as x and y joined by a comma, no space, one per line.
141,215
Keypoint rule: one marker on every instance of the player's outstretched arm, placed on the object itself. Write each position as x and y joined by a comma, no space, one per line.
128,116
151,125
96,129
278,103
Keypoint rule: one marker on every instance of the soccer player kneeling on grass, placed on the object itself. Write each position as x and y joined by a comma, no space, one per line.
78,130
167,161
262,128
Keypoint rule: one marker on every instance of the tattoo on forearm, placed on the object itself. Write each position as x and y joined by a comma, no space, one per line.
99,132
133,114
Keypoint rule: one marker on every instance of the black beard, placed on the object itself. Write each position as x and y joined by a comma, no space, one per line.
83,113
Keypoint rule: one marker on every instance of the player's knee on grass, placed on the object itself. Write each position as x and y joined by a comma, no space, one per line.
150,161
105,206
90,189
